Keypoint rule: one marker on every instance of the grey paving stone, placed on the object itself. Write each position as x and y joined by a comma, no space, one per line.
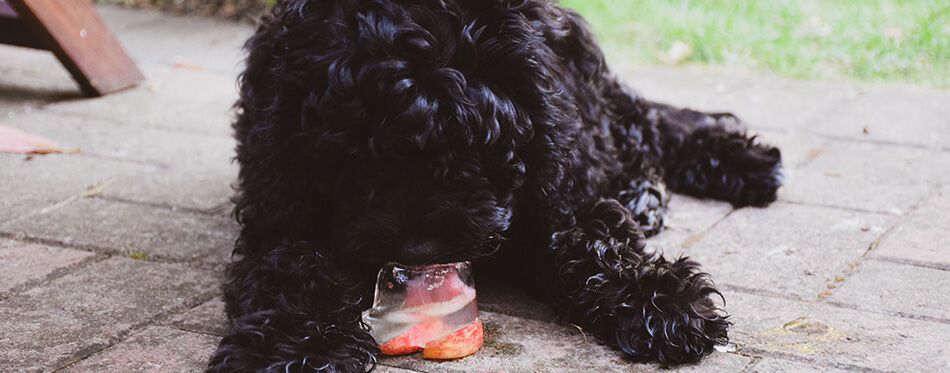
518,345
922,238
672,243
504,298
29,186
692,87
871,177
205,43
202,87
897,288
24,263
121,20
208,318
141,107
389,369
156,349
117,228
128,107
787,249
906,115
761,101
842,338
780,103
130,142
770,365
797,148
23,90
688,219
55,324
35,63
193,188
693,215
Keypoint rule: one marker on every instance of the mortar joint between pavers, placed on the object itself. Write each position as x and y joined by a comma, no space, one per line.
753,361
104,253
854,266
55,274
154,320
900,314
814,362
828,109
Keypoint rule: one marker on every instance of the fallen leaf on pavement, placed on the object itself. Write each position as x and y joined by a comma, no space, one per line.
13,140
187,66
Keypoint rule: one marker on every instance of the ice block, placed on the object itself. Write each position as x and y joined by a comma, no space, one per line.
429,308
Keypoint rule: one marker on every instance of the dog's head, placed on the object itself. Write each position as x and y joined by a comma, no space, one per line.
408,132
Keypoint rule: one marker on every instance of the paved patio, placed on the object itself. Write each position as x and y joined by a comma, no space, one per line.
849,271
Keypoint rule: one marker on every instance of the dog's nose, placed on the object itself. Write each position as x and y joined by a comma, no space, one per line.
418,252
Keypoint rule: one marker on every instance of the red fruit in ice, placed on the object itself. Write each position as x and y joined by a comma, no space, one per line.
461,343
426,290
410,340
400,345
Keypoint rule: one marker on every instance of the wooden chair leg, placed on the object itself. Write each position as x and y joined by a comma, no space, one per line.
73,31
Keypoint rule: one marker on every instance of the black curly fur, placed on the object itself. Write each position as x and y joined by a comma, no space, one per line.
637,301
426,131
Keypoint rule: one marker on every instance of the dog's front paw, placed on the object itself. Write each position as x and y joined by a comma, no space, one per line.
276,342
675,321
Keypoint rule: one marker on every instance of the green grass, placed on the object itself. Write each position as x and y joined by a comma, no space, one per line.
137,254
867,40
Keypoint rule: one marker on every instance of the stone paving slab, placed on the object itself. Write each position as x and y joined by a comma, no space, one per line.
897,289
25,263
26,91
213,45
911,116
144,108
770,365
870,177
389,369
798,149
923,238
122,20
40,182
212,89
513,344
133,143
118,228
35,64
72,316
787,249
760,101
207,318
156,349
694,216
34,183
841,338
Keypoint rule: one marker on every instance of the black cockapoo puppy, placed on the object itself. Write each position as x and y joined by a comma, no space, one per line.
429,131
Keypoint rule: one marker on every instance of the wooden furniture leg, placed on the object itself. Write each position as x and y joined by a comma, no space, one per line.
73,31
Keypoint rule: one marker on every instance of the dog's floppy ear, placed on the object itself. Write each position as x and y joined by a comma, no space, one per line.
283,187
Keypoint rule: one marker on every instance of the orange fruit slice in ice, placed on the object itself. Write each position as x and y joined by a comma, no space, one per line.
461,343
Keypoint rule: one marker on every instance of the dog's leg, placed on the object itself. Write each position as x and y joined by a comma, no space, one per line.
292,309
641,303
709,155
647,200
702,154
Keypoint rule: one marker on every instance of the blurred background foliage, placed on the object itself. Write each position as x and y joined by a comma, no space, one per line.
866,40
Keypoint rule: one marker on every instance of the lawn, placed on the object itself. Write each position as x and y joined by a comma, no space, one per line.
867,40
